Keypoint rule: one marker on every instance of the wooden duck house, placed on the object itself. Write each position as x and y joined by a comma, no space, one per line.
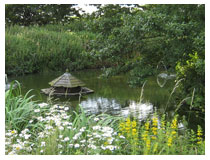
66,85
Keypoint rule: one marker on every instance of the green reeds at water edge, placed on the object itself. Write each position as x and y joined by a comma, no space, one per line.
34,49
46,129
19,109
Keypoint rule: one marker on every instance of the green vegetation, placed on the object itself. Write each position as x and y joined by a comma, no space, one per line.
118,39
34,49
48,129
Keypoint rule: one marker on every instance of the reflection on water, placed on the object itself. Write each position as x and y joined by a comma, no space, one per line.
101,105
104,105
139,110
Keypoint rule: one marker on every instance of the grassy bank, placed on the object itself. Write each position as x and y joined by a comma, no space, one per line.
53,47
52,129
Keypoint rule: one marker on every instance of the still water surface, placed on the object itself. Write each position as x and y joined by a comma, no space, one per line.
112,95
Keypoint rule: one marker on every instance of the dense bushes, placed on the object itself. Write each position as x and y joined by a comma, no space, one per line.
33,49
193,84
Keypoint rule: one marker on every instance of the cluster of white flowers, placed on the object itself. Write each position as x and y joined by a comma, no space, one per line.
57,119
53,117
14,142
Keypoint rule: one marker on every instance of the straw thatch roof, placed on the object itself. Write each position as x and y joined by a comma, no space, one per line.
66,80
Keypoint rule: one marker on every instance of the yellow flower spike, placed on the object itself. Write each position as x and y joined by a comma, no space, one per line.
128,120
154,138
148,143
199,134
134,132
174,123
133,124
155,121
199,142
144,136
170,141
122,124
147,125
173,132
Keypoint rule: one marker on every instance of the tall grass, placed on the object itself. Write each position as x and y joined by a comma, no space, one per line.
33,49
19,109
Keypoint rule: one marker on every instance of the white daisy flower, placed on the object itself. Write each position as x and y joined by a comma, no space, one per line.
76,145
60,146
26,136
37,110
82,129
66,139
41,105
61,128
31,121
96,127
66,108
96,119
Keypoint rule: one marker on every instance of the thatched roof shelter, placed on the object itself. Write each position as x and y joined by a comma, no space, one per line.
67,85
66,80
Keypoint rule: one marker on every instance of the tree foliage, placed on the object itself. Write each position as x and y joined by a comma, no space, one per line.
41,14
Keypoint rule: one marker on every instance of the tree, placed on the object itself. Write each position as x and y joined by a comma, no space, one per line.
41,14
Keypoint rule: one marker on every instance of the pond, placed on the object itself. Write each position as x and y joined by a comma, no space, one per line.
111,95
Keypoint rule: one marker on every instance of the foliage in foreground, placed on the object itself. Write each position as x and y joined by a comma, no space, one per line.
57,131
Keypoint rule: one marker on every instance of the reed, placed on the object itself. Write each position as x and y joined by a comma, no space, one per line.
19,109
34,49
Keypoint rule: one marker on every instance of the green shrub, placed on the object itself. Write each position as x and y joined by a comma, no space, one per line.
193,74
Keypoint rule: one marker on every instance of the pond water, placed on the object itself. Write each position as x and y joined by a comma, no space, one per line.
111,95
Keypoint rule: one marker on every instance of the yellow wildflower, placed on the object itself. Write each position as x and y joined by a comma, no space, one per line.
173,132
147,125
174,123
170,141
148,143
155,121
128,122
199,135
144,136
154,130
134,132
154,138
133,124
199,142
163,123
154,124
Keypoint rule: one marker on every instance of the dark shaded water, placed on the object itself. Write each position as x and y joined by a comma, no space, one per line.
112,95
